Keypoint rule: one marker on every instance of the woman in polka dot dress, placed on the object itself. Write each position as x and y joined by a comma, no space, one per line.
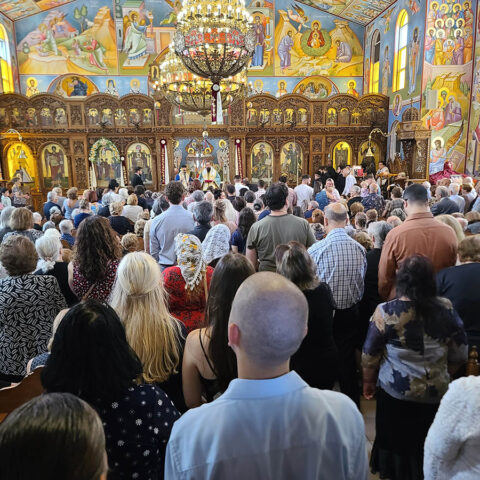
91,358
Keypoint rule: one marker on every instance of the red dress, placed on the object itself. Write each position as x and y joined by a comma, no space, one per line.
191,312
101,290
447,172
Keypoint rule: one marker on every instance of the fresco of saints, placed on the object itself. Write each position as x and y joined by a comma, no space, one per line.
135,42
344,52
96,52
284,48
430,46
281,89
435,120
459,48
79,88
262,163
31,87
437,156
453,111
315,39
111,87
48,42
385,72
55,160
351,89
439,56
257,59
414,60
292,162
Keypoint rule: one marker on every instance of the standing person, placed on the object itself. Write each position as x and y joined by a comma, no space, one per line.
137,177
209,177
460,285
326,435
316,361
97,254
28,305
70,203
239,238
6,197
350,180
187,283
278,227
304,192
68,437
261,189
20,199
158,338
419,234
209,363
413,342
292,196
341,263
91,358
168,225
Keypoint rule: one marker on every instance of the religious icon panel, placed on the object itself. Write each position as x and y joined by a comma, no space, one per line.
342,154
139,155
54,166
291,161
262,162
21,163
105,159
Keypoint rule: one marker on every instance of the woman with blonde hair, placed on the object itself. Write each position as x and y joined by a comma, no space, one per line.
132,210
158,338
454,224
220,215
21,223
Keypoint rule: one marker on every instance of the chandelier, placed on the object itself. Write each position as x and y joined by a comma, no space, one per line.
192,93
214,38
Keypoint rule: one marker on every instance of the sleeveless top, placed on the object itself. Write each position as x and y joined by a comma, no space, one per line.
209,386
101,289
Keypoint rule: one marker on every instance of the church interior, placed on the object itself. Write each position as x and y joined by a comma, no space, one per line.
93,89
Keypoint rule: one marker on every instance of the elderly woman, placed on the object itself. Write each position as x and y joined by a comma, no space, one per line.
132,210
97,254
317,226
118,222
50,263
413,344
454,224
28,305
216,244
187,283
316,361
5,217
21,223
83,212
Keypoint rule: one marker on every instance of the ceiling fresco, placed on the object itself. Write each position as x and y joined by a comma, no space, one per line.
360,11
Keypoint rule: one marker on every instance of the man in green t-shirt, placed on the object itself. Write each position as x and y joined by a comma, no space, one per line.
277,228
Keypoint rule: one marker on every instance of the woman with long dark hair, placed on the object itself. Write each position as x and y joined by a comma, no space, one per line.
317,358
246,219
412,345
92,359
97,254
208,362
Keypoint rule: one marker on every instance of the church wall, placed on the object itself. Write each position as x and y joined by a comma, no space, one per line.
447,80
117,41
9,29
473,148
409,96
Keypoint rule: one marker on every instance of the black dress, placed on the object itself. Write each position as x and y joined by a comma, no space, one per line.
121,224
60,272
317,358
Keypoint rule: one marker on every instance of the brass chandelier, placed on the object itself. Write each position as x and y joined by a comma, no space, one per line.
214,39
193,93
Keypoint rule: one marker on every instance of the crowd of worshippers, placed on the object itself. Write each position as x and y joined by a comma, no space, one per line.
217,334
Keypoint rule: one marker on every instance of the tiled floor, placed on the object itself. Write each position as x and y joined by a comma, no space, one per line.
368,410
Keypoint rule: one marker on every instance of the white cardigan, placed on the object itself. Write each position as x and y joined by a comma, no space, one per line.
452,446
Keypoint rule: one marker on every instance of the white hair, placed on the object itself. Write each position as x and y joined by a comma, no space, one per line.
48,248
51,196
427,185
379,231
454,188
37,217
123,192
52,232
66,226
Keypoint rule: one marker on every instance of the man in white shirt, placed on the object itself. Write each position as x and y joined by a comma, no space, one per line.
237,182
350,180
269,424
261,189
304,192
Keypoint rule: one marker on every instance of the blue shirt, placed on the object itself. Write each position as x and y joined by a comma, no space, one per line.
341,262
163,231
69,238
278,428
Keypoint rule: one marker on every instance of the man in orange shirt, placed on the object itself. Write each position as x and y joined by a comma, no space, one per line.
419,234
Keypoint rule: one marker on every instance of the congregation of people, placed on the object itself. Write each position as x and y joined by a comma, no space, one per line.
230,333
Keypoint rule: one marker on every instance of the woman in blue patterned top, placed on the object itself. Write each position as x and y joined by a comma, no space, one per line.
412,345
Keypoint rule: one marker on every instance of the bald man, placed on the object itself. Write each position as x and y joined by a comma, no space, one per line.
269,424
341,262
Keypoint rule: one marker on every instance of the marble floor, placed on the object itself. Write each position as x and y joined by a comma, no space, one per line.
368,411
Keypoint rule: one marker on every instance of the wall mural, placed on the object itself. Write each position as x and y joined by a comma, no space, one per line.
446,80
316,43
400,48
54,166
472,166
8,52
21,8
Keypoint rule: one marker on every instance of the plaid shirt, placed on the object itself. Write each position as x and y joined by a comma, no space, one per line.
341,262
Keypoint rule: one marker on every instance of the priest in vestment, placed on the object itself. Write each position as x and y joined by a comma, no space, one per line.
184,177
209,177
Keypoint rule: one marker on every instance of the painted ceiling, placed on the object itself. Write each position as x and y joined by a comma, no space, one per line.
360,11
